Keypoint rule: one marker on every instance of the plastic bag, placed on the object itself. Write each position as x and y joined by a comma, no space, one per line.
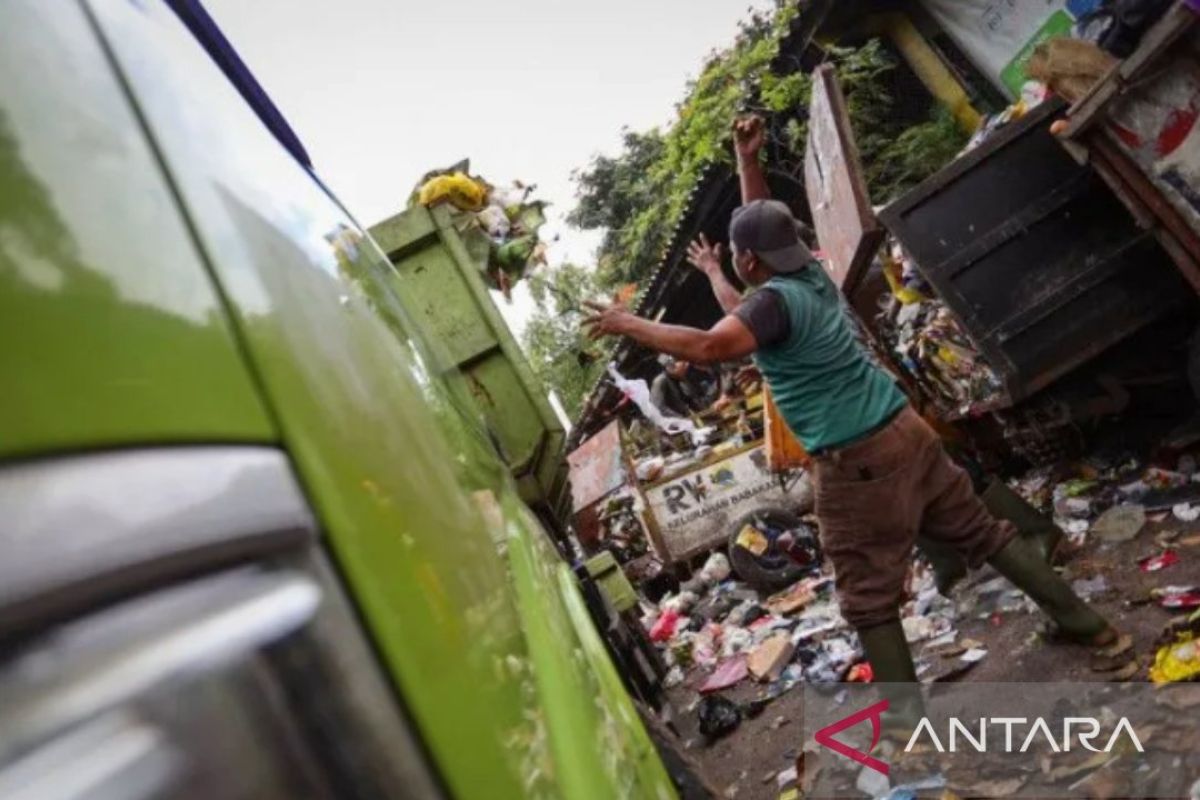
718,716
639,393
458,189
664,626
716,568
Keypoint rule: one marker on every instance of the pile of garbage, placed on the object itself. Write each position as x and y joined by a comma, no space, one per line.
720,632
499,225
930,345
716,633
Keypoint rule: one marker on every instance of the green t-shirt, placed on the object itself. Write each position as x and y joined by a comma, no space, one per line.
826,383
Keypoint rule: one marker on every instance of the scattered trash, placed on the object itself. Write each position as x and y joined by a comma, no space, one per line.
872,782
1176,597
638,393
729,673
786,777
499,226
664,627
674,677
718,715
1087,588
766,662
1179,661
792,600
1157,562
976,654
861,673
1120,523
1185,512
716,568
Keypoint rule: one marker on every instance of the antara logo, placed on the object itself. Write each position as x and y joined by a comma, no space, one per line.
1083,729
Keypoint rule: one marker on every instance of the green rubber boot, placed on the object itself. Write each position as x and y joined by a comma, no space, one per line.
1003,503
886,648
1022,563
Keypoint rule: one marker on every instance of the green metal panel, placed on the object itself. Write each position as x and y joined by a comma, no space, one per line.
610,755
111,332
381,443
442,288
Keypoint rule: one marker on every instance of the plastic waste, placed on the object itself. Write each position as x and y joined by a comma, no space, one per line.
716,568
650,468
729,672
1177,597
495,222
457,188
718,715
1185,512
639,394
1156,562
664,627
680,603
1179,661
1120,523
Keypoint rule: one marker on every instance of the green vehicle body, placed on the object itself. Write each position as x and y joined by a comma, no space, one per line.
170,276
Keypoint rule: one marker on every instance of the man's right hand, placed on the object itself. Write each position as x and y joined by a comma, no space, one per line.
704,256
748,137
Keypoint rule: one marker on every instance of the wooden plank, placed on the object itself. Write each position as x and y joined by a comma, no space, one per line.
847,229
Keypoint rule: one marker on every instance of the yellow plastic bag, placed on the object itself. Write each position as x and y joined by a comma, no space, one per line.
458,189
1177,662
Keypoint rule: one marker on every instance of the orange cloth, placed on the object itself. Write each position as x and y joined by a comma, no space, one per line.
784,450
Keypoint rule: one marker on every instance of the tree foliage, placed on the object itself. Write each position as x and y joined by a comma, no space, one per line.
559,353
639,195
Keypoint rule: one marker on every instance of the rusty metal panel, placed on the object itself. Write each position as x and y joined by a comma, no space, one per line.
597,467
1040,262
848,232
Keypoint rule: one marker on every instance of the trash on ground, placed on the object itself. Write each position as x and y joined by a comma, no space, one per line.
1176,597
766,662
728,673
718,716
1120,523
1179,661
1156,562
1185,512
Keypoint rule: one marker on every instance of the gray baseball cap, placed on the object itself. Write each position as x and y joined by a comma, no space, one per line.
768,229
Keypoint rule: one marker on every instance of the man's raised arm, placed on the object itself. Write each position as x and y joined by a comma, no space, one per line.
748,136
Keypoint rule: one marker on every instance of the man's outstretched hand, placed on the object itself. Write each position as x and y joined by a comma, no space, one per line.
704,256
606,320
748,136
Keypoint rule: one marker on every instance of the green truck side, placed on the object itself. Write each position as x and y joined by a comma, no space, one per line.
170,278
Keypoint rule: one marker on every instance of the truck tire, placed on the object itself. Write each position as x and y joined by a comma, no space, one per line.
774,568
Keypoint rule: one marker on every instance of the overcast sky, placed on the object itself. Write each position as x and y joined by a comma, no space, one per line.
381,91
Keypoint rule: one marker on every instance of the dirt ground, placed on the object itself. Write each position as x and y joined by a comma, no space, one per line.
744,764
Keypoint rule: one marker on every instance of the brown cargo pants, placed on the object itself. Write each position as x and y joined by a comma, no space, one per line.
872,499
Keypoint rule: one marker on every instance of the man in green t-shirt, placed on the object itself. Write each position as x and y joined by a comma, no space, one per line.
880,472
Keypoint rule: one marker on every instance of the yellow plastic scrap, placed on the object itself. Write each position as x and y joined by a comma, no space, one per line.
1177,662
892,272
458,189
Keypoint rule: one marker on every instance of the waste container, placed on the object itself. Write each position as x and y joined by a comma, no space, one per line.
441,287
1041,263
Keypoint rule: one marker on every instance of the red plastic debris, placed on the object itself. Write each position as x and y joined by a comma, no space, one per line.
861,673
664,627
1178,597
1161,561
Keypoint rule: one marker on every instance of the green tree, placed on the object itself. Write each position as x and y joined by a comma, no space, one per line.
558,350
